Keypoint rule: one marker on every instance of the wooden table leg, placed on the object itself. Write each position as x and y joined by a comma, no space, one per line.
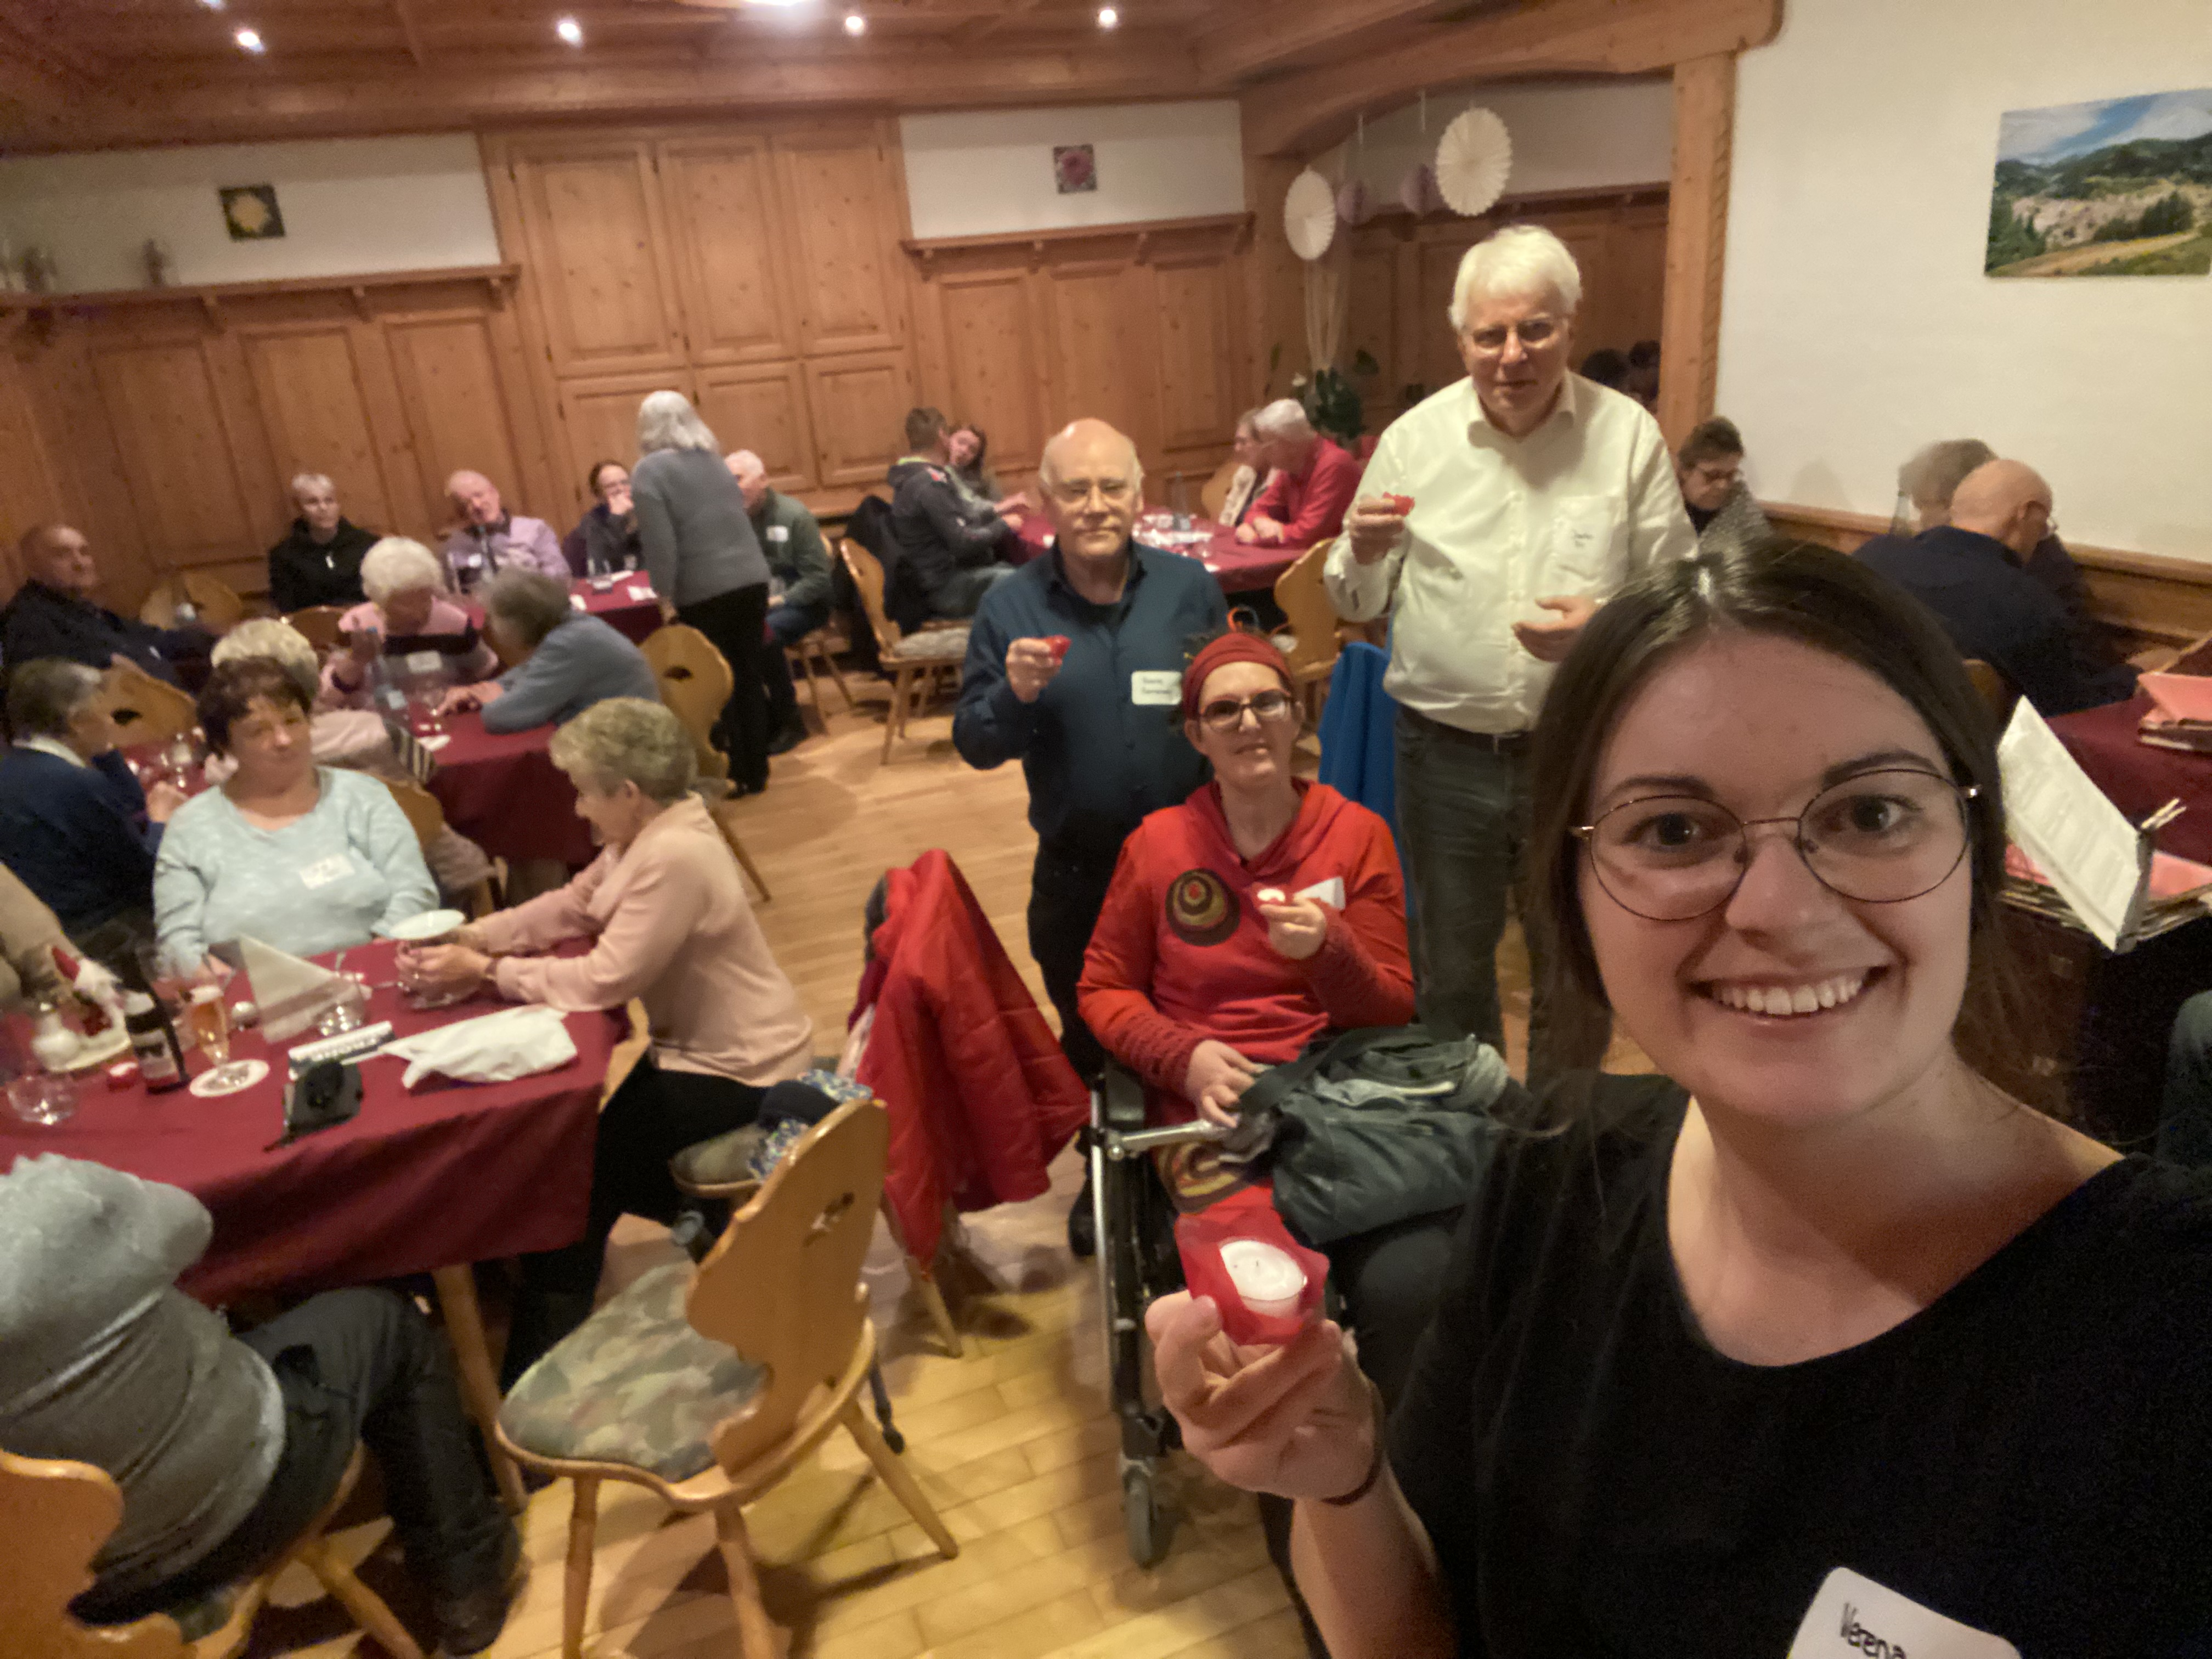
457,1301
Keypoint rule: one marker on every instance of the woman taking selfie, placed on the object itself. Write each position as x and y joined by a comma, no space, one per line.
1818,1339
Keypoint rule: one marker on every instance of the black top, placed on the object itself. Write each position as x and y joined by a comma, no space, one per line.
602,539
304,573
939,530
1994,610
1096,759
1701,518
45,621
2030,1455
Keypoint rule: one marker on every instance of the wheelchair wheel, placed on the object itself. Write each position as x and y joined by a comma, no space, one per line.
1140,1515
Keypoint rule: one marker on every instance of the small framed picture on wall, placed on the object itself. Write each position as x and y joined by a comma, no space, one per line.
1075,168
250,212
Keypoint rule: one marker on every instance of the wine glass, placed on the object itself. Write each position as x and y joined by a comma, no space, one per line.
207,1016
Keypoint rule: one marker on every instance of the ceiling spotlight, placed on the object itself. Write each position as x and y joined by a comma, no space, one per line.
249,39
1107,17
855,24
212,5
570,30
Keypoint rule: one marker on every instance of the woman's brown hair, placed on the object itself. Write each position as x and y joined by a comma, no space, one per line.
232,689
1818,596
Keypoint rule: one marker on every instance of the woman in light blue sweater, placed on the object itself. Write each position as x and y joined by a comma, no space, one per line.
301,857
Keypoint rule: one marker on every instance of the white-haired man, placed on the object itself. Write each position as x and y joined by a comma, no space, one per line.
1315,481
490,539
1494,519
318,560
799,591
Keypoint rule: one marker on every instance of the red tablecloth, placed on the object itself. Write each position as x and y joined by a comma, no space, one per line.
454,1173
505,795
617,607
2140,778
1239,568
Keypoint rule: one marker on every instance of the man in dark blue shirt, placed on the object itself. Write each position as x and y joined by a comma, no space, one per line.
1970,572
1099,731
54,614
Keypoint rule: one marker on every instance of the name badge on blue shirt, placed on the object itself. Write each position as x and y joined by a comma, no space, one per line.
1156,688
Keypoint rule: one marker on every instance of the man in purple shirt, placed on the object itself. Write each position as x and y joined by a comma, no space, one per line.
491,539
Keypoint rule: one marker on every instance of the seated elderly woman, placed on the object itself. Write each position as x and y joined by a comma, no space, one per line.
564,660
303,857
666,914
75,825
407,617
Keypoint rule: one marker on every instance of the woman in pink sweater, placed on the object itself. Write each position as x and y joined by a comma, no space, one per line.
666,915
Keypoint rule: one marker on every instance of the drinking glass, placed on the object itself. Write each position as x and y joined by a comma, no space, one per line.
43,1097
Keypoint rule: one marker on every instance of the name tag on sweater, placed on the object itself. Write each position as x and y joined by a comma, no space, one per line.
423,662
1156,688
779,532
324,871
1855,1618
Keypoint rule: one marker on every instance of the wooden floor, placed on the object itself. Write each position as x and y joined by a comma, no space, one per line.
1013,1441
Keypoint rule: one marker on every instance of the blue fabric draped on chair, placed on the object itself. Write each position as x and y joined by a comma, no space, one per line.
1358,724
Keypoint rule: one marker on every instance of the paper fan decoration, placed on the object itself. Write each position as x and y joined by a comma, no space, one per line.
1473,159
1417,191
1354,205
1310,214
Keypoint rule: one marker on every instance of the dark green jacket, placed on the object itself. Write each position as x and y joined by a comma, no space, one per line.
796,556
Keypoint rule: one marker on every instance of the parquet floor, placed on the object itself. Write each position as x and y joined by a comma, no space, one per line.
1013,1441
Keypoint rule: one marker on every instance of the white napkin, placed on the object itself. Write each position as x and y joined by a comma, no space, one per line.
292,993
492,1048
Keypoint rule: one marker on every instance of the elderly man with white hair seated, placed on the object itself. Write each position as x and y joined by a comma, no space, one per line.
1494,519
490,539
1315,481
799,588
318,560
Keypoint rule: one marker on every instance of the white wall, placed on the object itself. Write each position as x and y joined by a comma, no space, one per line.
1570,137
1856,322
979,173
349,204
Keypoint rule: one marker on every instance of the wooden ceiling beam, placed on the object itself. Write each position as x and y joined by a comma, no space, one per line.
1302,114
1232,51
411,33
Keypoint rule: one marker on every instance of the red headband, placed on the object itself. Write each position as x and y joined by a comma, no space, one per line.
1230,647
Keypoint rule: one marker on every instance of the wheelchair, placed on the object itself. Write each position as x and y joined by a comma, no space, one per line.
1137,1263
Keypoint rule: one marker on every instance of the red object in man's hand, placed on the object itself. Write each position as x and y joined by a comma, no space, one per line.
1057,644
1401,504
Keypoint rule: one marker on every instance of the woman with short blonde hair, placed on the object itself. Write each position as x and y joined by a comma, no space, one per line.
665,912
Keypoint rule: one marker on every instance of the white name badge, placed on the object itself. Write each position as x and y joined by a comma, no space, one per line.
1855,1618
577,600
1156,688
779,532
640,593
1329,892
324,871
423,662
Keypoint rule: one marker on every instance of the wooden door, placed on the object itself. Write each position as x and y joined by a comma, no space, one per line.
860,405
994,371
599,422
181,451
842,213
597,250
1102,351
458,406
720,204
762,407
313,397
1194,331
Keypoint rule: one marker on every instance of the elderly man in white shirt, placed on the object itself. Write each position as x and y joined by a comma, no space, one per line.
1494,519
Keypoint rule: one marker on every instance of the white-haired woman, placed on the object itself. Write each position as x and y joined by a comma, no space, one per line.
407,615
1315,480
666,914
318,560
706,562
1252,473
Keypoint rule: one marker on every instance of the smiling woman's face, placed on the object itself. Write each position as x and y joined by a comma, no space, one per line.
1761,725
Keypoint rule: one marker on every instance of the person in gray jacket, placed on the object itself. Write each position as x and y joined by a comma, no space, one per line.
706,564
225,1447
567,660
1722,509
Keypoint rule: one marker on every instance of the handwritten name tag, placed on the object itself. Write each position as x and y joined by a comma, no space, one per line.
324,871
779,532
423,662
1855,1618
1156,688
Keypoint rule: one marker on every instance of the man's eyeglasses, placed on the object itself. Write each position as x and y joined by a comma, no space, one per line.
1074,492
1227,713
1532,332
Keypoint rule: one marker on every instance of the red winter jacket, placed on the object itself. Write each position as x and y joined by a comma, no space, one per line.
1180,954
980,1095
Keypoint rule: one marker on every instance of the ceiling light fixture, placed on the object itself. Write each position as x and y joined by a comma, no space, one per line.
249,39
855,24
570,30
1107,17
212,5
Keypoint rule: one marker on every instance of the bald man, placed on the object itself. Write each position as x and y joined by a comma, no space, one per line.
55,614
490,539
799,588
1075,669
1971,574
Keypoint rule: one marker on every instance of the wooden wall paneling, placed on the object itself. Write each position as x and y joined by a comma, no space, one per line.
720,200
858,404
843,213
1100,339
312,398
1194,354
1637,253
599,250
461,409
1697,241
84,463
30,483
1438,252
1371,323
993,365
762,407
599,422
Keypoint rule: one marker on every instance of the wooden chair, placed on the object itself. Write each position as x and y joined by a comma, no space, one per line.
823,645
914,661
54,1515
426,818
1313,646
219,609
145,709
1215,491
1996,690
319,623
705,1428
695,681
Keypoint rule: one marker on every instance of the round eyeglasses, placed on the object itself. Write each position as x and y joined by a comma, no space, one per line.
1879,837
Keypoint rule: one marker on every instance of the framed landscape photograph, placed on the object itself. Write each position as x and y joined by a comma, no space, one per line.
2122,187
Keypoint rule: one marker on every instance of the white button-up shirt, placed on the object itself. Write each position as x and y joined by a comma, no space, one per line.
1582,505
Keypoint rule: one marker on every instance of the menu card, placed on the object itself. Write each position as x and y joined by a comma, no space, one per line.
2066,824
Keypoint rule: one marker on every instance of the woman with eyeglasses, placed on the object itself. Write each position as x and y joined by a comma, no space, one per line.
1817,1343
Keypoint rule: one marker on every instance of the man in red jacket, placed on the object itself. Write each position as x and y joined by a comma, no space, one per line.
1315,481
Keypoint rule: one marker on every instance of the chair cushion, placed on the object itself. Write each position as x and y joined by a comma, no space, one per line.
634,1384
950,643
